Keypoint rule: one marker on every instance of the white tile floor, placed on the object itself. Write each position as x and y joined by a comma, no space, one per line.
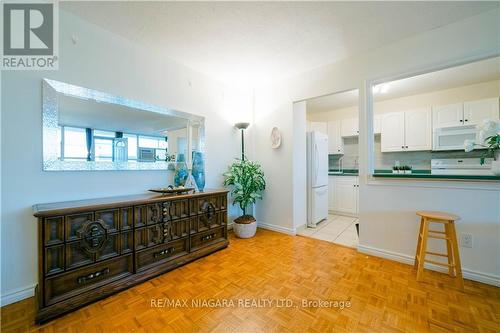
336,229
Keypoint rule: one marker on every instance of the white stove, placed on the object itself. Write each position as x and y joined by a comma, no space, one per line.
461,166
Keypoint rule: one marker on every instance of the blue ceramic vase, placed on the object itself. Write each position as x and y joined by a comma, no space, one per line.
198,170
181,174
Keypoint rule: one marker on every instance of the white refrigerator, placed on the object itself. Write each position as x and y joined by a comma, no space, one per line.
317,178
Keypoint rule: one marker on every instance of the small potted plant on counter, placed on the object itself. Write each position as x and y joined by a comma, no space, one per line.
489,137
247,181
407,169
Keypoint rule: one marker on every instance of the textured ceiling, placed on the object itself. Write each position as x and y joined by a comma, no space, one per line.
252,42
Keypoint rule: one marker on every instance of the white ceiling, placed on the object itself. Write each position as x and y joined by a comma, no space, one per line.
112,117
253,42
481,71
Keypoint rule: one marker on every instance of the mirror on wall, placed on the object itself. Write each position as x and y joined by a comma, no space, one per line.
84,129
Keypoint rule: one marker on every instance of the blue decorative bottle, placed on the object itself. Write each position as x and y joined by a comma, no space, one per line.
198,170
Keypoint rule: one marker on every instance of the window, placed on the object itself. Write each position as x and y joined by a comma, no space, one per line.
103,149
75,143
152,142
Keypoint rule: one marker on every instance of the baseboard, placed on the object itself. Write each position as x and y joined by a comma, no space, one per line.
486,278
334,212
17,295
273,227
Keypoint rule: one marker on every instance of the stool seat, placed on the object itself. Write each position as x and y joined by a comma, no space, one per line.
448,235
435,215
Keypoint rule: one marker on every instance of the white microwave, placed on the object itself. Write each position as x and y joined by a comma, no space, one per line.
452,138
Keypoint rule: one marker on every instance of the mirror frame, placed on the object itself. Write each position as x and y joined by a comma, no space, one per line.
51,90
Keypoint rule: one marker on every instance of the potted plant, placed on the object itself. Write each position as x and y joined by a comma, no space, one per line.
246,180
395,169
489,137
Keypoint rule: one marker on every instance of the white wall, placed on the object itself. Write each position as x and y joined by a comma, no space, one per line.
106,62
387,210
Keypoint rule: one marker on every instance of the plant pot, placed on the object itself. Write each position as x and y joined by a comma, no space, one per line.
245,226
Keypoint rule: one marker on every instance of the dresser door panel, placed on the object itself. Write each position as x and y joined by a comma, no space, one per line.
111,219
178,209
126,242
126,218
54,230
74,224
77,255
110,248
54,259
68,284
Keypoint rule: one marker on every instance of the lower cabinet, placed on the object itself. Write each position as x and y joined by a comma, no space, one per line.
343,194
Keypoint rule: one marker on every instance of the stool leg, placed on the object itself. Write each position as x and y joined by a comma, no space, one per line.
449,250
423,248
456,255
419,242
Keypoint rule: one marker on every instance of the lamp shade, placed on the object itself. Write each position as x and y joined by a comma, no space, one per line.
241,125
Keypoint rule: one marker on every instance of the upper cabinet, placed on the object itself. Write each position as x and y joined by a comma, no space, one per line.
316,126
448,115
464,114
349,127
407,131
335,143
475,112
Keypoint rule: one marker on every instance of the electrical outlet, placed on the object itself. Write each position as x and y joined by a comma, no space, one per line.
466,240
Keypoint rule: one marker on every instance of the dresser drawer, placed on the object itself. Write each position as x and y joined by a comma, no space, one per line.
75,282
206,238
177,209
164,252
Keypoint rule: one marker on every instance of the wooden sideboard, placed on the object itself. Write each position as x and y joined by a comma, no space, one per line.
90,249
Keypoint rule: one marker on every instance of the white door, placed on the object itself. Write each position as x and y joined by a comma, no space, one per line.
349,127
320,160
475,112
393,132
346,194
335,144
448,115
316,126
331,193
418,129
357,195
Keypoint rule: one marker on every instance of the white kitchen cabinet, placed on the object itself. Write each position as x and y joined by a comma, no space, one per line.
349,127
466,113
393,132
317,126
418,130
448,115
407,131
475,112
335,143
377,124
345,192
331,193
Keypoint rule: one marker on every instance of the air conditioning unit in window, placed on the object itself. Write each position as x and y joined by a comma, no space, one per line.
146,155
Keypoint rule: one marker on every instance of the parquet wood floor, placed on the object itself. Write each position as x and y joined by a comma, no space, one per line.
384,295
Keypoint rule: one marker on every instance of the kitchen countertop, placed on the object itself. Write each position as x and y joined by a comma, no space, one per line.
416,174
345,172
426,174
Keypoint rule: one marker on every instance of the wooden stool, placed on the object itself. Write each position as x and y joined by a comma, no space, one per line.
449,235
